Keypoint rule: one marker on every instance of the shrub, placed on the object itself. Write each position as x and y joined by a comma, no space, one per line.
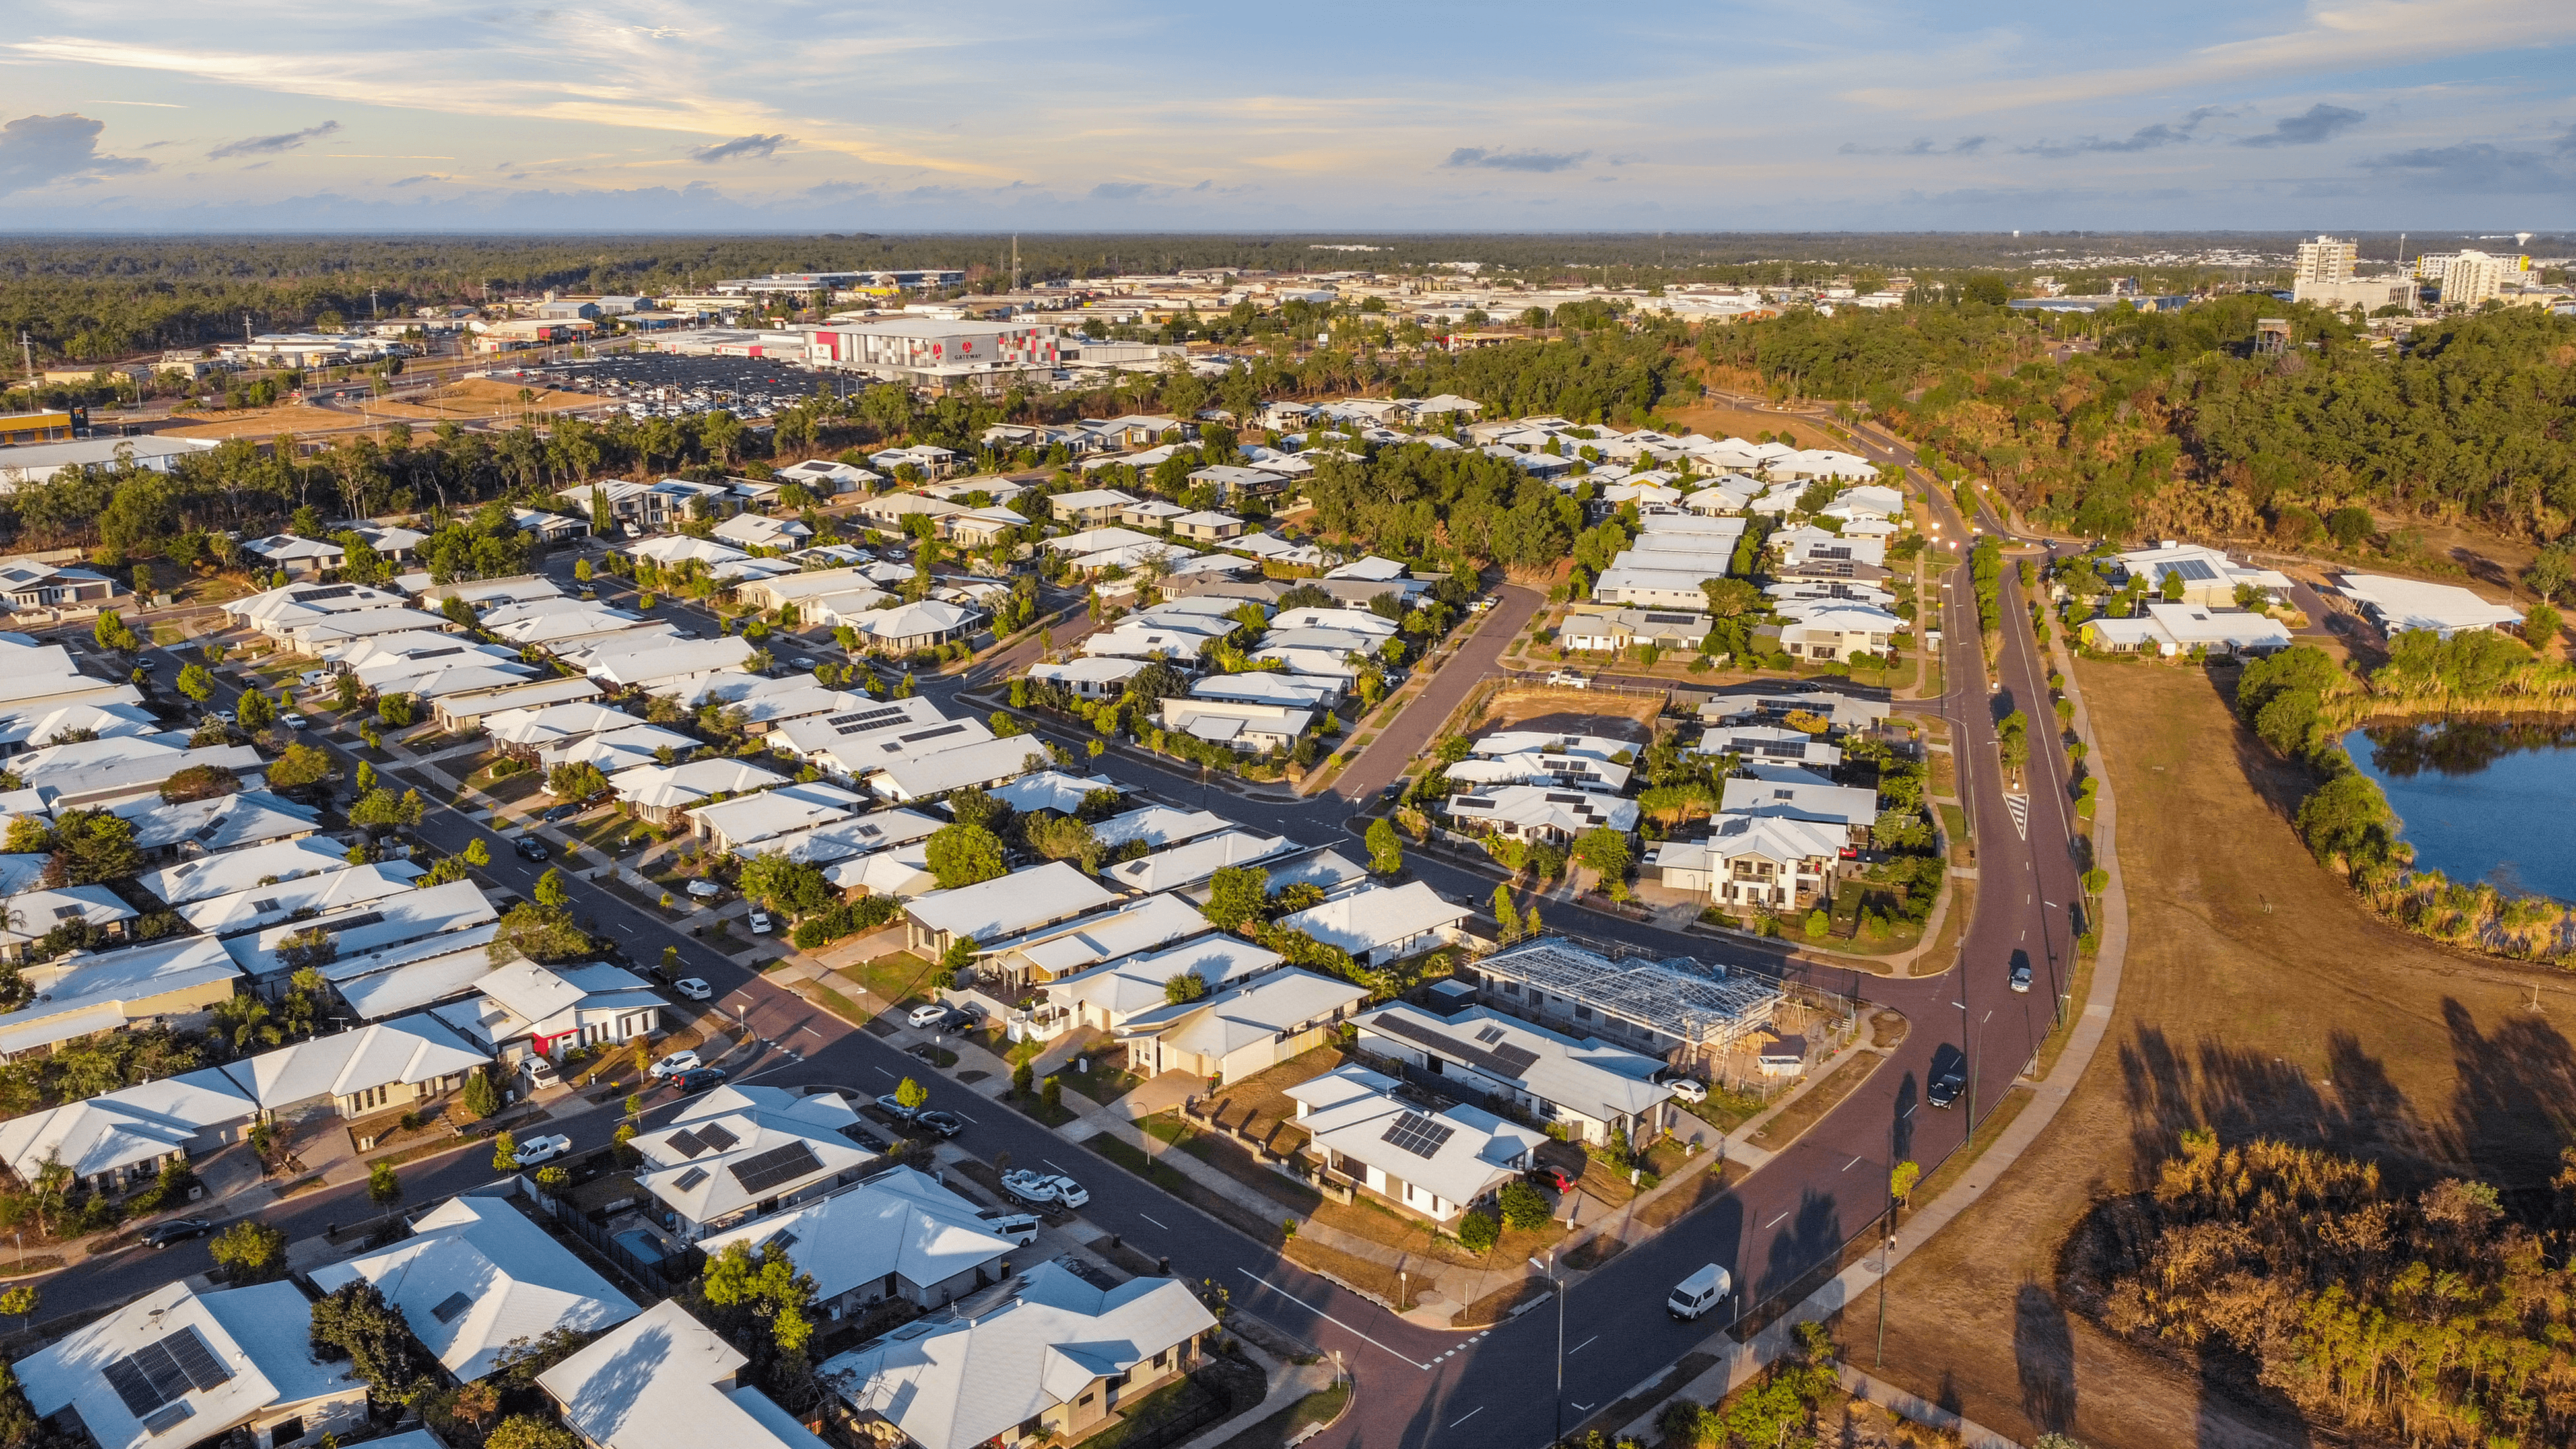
1523,1206
1478,1232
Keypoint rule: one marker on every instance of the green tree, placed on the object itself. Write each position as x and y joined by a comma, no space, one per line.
1604,850
576,780
962,855
549,890
540,933
956,959
477,854
1184,986
1236,894
2540,625
765,1287
1478,1232
1507,916
1386,852
299,767
384,1185
505,1152
1524,1207
250,1251
258,711
92,847
1901,1180
527,1431
357,1322
196,683
481,1097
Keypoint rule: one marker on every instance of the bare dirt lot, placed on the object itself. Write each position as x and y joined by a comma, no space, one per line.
476,399
1571,711
2259,998
262,423
1719,420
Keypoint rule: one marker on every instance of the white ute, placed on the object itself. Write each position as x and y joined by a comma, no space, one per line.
1699,1293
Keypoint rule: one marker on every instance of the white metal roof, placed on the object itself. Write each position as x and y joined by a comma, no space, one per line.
663,1380
1367,919
899,1222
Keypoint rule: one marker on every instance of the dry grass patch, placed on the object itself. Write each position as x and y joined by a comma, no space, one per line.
1823,1097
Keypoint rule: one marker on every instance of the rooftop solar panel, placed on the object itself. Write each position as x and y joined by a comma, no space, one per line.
1419,1135
689,1179
717,1137
767,1170
685,1142
450,1306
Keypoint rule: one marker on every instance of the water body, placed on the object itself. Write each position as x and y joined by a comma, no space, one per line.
2481,800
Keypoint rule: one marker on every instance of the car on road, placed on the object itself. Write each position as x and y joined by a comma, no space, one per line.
760,923
893,1106
292,720
927,1016
699,1079
676,1063
939,1124
542,1149
705,889
1948,1083
564,811
694,989
2021,976
177,1230
1024,1185
1698,1293
1392,793
529,847
1688,1089
227,716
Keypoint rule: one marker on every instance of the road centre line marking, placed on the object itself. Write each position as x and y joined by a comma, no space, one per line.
1775,1222
1578,1348
1149,1217
1328,1318
882,1072
1848,1166
1471,1413
818,1035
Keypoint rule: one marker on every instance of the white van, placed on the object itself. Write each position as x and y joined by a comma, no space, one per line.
1020,1228
1699,1293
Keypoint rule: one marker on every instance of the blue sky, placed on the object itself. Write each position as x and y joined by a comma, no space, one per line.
1828,114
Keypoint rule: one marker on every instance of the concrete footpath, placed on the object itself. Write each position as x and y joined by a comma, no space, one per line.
1739,1362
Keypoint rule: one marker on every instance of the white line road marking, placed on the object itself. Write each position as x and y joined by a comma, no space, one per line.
1058,1166
1471,1413
882,1072
1328,1318
1149,1217
818,1035
1587,1408
1848,1166
970,1119
1578,1348
1775,1222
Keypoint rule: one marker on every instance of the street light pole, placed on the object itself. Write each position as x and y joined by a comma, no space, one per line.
1549,1269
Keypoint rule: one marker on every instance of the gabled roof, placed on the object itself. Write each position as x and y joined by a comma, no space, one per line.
389,1053
242,1351
257,907
663,1380
1085,941
706,1167
1261,1009
1010,904
1465,1152
1600,1080
1158,826
477,1274
1051,790
898,1222
1196,860
957,1381
1367,919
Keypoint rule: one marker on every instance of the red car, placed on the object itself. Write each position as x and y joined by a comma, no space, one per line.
1551,1178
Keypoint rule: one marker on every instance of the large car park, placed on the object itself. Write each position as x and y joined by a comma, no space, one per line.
663,384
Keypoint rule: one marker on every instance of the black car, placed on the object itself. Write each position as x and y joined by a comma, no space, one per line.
529,848
1946,1087
697,1079
566,811
942,1124
177,1230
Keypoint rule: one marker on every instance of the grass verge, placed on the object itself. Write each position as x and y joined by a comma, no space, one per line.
1323,1406
1804,1113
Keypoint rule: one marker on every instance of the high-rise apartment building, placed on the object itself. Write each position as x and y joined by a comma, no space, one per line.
2325,260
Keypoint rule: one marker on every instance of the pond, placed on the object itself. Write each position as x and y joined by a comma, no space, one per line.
2481,800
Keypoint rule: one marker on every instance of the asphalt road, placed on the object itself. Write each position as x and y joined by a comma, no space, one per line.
1420,1387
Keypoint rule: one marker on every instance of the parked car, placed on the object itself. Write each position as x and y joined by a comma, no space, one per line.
700,1079
564,811
292,720
705,889
227,716
675,1063
312,677
177,1230
1568,679
893,1106
1551,1177
962,1018
529,848
939,1124
1698,1293
147,662
927,1016
694,989
542,1149
1020,1228
1689,1089
1067,1191
1024,1186
759,923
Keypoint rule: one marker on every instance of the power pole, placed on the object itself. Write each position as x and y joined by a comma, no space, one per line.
27,353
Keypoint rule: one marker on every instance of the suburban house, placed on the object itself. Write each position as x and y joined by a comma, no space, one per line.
1438,1164
1585,1086
1090,677
2170,629
1539,812
2202,575
744,1152
1680,1010
1616,629
1382,923
1091,507
898,1234
1247,728
527,1010
1001,908
1047,1355
740,825
1246,1027
81,993
1767,861
32,915
665,794
478,1274
1790,794
663,1380
27,584
986,762
1822,630
1192,861
177,1367
1059,950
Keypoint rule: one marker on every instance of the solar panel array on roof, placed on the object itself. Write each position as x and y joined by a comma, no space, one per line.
685,1142
2195,569
1490,1035
450,1306
65,913
1555,799
324,595
760,1173
689,1179
264,905
162,1370
719,1138
903,741
864,720
1501,1061
1419,1135
1672,618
